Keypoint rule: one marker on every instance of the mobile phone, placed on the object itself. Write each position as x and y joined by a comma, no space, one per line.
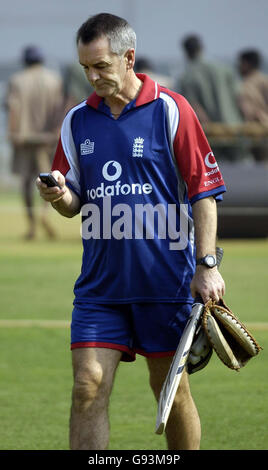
49,180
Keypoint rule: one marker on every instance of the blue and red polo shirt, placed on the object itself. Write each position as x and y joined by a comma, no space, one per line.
137,178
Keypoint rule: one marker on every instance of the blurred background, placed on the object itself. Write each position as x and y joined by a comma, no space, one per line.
217,89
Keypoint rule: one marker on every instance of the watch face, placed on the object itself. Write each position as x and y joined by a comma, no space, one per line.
210,260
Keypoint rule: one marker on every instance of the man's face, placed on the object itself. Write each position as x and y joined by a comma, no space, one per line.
105,70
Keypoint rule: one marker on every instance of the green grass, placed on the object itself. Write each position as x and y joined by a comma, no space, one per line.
36,282
35,388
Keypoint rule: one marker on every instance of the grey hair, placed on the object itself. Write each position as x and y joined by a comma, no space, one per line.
117,30
122,39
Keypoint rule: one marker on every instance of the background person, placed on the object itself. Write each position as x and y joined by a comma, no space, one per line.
212,90
129,297
34,107
76,85
253,95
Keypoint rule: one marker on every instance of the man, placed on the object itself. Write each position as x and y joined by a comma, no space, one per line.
253,95
76,85
211,88
34,105
132,148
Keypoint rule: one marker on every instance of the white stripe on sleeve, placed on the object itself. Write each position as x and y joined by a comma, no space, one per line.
73,175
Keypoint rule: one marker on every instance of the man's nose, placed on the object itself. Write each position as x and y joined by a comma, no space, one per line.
93,75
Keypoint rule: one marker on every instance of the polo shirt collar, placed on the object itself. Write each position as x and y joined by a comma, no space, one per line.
149,92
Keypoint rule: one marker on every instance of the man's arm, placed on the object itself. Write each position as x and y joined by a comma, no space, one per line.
65,201
206,281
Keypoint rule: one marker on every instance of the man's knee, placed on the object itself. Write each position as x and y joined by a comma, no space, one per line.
88,386
93,376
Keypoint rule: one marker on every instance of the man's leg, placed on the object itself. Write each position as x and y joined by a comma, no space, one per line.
27,196
43,164
94,370
183,430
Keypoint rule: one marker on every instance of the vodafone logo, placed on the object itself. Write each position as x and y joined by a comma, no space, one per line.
211,164
207,160
112,170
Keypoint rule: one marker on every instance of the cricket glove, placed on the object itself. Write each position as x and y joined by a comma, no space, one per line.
200,352
229,338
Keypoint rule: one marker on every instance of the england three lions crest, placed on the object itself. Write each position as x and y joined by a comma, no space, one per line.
137,149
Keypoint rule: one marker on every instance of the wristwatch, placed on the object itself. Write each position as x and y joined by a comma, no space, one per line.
209,261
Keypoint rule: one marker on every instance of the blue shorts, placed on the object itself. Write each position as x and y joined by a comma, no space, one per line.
149,329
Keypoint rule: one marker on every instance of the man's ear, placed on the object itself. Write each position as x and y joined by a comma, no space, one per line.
130,58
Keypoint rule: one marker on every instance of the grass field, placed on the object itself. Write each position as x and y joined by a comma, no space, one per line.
36,283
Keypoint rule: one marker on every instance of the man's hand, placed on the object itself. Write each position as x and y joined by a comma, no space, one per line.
208,283
52,194
63,199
